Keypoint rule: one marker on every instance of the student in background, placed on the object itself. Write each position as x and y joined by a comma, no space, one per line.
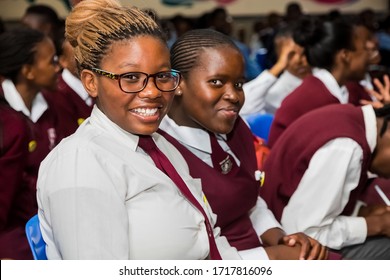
45,19
318,169
265,93
17,199
337,51
116,189
71,101
203,123
29,65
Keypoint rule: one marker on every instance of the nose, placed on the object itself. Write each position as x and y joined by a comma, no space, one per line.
232,94
150,91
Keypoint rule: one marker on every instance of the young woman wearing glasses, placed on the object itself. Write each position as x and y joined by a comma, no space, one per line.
100,195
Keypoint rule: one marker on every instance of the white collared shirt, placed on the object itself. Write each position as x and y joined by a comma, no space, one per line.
285,84
77,86
255,92
337,179
11,94
102,197
341,93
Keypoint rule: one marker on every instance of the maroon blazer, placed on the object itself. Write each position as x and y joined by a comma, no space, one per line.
291,154
71,109
356,93
311,94
17,196
231,196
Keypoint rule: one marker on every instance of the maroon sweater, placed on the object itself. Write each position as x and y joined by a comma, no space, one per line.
311,94
17,197
291,155
230,197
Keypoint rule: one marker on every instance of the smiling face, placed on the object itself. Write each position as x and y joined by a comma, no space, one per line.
137,113
212,92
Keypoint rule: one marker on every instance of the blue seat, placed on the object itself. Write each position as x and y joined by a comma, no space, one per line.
35,240
260,124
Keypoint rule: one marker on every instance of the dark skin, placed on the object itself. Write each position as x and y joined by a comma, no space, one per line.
210,97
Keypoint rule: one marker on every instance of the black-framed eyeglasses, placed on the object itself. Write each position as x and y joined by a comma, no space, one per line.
133,82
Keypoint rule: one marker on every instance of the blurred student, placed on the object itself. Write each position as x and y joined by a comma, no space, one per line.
17,199
29,65
71,101
265,93
337,51
318,169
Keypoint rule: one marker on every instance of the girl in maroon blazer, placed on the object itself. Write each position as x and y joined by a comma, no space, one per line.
337,51
28,64
203,123
70,100
17,199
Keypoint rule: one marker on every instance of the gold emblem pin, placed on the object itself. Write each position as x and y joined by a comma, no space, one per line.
32,145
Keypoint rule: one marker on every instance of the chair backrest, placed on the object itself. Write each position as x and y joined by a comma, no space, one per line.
260,124
35,240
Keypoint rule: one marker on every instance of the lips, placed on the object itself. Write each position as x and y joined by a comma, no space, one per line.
145,112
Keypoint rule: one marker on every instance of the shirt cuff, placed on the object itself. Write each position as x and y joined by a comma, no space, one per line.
257,253
357,230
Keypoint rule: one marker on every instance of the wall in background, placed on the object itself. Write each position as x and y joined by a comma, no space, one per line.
12,10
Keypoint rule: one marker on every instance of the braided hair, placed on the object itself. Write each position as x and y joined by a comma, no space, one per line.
187,49
93,25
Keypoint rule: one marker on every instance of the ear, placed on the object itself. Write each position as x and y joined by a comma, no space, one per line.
180,89
345,56
89,81
27,71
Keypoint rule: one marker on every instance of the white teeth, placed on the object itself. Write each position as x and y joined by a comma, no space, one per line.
145,111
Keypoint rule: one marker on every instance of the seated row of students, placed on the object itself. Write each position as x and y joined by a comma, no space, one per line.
107,169
115,177
321,153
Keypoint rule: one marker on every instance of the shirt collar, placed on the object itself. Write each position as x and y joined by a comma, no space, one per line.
99,119
11,94
77,86
189,136
341,93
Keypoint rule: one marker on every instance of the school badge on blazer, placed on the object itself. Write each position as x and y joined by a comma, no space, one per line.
226,165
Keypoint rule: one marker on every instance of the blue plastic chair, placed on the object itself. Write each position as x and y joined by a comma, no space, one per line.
35,240
260,124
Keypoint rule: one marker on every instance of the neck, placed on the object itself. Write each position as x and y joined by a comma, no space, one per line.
27,93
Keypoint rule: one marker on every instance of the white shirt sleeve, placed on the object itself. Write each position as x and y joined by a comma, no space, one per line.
315,207
255,92
262,218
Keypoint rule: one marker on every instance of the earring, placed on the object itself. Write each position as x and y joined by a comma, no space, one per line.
179,92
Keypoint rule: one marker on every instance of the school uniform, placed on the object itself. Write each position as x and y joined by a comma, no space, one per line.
123,206
17,198
71,102
285,84
255,92
241,214
42,121
316,172
317,90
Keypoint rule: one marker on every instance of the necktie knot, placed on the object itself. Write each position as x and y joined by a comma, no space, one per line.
222,161
146,143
